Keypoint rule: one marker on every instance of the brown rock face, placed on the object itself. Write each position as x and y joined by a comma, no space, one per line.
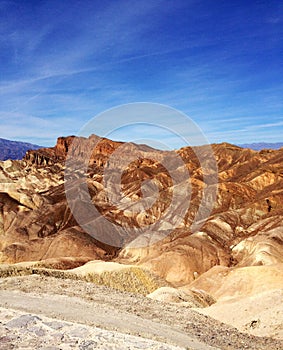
50,156
245,227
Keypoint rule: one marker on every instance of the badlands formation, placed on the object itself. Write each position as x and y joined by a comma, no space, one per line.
229,266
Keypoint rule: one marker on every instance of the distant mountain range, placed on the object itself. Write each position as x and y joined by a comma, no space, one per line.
15,149
262,145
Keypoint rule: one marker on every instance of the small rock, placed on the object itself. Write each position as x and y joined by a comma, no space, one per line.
79,332
7,343
55,325
38,331
22,321
88,345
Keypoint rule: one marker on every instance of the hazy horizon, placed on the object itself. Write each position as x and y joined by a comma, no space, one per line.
252,145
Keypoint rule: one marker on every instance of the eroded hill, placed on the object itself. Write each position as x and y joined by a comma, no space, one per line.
244,227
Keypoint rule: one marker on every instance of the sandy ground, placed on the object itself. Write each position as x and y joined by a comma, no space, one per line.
86,304
260,314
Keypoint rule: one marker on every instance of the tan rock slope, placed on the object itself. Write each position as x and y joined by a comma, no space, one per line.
243,233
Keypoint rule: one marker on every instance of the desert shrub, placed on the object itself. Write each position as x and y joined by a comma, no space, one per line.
132,279
12,271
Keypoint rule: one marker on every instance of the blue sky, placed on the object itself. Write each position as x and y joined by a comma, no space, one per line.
64,62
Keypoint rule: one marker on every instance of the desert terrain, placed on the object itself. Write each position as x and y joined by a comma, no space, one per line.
30,305
215,283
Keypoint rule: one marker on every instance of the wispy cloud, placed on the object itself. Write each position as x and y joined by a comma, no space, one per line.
265,125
